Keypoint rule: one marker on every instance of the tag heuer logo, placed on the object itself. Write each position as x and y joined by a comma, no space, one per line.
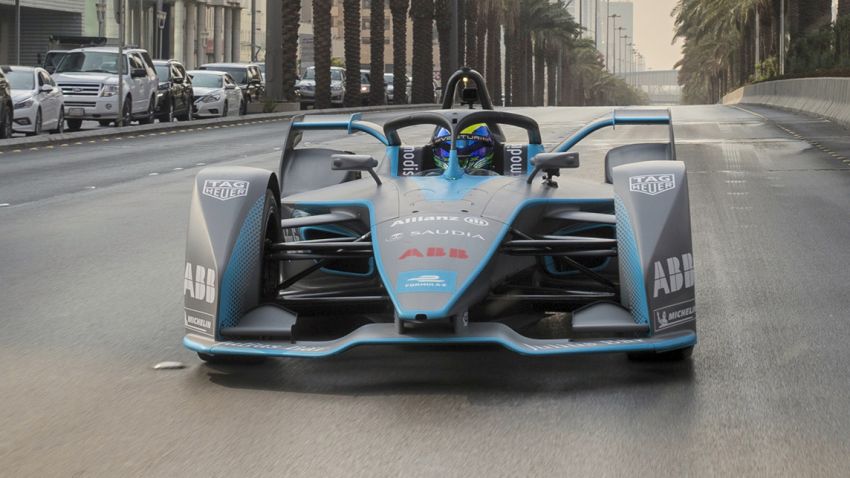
652,184
225,189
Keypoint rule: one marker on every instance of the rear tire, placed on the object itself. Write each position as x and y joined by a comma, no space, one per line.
149,116
74,124
231,359
677,355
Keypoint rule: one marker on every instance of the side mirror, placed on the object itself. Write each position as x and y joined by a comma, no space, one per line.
46,88
138,73
551,163
355,162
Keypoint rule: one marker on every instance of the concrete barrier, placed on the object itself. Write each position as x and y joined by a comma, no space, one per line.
826,97
13,144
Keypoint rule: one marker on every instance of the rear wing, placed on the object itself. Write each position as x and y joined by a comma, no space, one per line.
624,117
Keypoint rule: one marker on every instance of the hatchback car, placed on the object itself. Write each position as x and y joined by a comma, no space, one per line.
39,104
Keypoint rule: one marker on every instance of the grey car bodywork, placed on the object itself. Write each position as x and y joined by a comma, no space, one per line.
309,261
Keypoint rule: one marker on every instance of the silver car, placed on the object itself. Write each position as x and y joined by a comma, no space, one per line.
216,94
38,102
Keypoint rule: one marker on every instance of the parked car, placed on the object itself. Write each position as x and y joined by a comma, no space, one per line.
88,78
216,94
52,59
247,76
6,111
262,67
305,88
366,87
389,79
174,97
38,101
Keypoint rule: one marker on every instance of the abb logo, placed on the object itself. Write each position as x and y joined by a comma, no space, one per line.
435,252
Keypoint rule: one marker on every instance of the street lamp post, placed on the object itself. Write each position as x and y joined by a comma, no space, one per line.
101,18
18,32
625,39
254,31
608,40
596,24
161,15
617,32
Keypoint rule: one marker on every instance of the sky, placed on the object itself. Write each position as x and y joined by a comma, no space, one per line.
654,32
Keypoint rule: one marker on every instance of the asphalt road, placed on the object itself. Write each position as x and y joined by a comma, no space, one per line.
91,258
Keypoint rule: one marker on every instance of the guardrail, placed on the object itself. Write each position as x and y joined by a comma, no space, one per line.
826,97
105,132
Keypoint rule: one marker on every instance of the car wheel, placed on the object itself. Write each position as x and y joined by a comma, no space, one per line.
36,129
188,114
677,355
104,122
127,114
225,110
74,124
149,115
60,123
168,117
6,130
243,108
231,359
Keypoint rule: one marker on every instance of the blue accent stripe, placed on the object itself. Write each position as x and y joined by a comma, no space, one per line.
241,267
351,126
633,286
606,122
325,349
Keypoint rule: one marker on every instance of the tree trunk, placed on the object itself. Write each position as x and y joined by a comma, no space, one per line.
377,91
509,40
398,9
351,21
422,12
291,16
481,37
539,71
461,32
442,16
322,52
494,63
471,32
551,80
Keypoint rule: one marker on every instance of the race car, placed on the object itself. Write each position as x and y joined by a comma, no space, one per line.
336,250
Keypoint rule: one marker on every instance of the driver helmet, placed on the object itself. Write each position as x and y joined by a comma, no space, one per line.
475,147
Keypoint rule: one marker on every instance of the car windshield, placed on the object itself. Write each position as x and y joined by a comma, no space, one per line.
89,61
310,74
162,72
54,58
20,80
336,75
206,80
364,78
388,79
240,75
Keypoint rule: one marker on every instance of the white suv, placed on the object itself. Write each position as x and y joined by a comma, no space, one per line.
88,78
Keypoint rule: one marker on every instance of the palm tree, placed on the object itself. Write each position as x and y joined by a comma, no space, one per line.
471,32
493,70
322,52
291,16
443,18
398,9
351,21
422,12
377,95
843,8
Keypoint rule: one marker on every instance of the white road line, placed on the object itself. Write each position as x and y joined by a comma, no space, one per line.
153,174
5,204
178,169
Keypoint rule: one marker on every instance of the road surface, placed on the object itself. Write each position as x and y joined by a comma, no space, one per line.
92,239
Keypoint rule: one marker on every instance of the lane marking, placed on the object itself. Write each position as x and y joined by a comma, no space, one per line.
153,174
5,204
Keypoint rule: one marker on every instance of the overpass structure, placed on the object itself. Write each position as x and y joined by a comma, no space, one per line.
662,86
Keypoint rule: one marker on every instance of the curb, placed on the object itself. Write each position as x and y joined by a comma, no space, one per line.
50,139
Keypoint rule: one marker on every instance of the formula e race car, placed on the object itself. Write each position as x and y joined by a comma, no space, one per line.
336,249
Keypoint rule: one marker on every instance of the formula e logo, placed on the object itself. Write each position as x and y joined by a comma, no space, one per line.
426,281
673,274
652,184
224,189
199,283
435,252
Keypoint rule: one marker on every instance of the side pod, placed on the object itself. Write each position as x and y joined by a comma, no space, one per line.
654,240
229,210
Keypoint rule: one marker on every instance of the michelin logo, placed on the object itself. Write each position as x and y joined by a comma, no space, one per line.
426,281
652,184
224,189
198,321
675,314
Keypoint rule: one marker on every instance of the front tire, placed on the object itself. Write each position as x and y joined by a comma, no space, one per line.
60,123
231,359
149,116
36,129
677,355
74,124
225,110
6,130
168,116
